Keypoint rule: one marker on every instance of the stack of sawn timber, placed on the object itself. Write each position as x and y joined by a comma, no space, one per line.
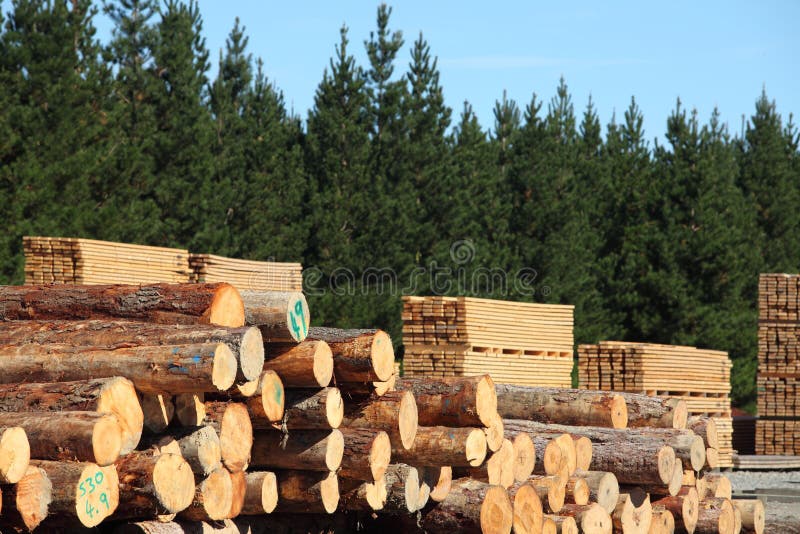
247,274
778,425
516,342
700,377
70,260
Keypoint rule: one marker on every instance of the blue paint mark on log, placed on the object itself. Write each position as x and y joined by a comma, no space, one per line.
178,369
175,350
197,358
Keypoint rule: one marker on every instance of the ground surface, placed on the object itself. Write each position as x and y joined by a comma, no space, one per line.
780,491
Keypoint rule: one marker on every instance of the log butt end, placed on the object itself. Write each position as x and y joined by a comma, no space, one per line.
97,494
674,485
298,317
329,492
596,520
334,451
439,480
680,413
173,483
380,455
497,514
619,412
119,397
272,397
524,456
495,433
475,447
583,453
236,437
227,307
251,353
15,454
382,355
580,491
269,492
666,464
334,407
34,494
607,493
697,453
690,510
216,492
528,513
323,363
223,373
554,458
106,440
408,419
486,400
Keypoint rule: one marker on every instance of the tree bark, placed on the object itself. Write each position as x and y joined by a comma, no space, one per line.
281,315
455,402
655,411
307,492
301,365
232,423
307,450
358,355
368,454
472,507
564,406
441,445
213,498
395,412
635,462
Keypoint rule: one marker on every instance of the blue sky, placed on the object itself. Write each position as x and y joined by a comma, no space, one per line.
708,53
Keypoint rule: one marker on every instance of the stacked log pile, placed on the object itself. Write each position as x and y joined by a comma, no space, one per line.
778,426
699,377
186,408
516,342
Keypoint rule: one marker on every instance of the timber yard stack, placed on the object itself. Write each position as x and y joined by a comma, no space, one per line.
699,377
778,425
247,274
194,407
516,342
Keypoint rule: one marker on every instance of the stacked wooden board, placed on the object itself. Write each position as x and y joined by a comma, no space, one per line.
247,274
69,260
778,427
516,342
238,428
700,377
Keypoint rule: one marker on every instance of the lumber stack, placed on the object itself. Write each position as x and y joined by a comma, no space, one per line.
247,274
698,377
778,426
516,342
69,260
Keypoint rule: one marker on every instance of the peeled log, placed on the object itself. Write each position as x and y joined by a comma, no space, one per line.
655,411
714,516
358,355
753,516
76,436
706,428
308,450
213,498
368,453
199,446
307,492
245,342
218,304
281,315
261,493
26,504
395,412
84,492
309,409
603,488
454,402
300,365
14,454
684,509
528,512
151,485
565,406
232,423
472,507
163,369
591,518
441,445
104,395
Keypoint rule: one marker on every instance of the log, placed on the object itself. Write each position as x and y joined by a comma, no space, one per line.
495,433
497,470
309,409
199,446
190,409
281,315
717,485
472,507
80,436
152,484
591,518
245,343
655,411
684,509
158,411
524,455
365,389
552,490
308,450
300,365
239,490
548,460
164,369
455,402
715,515
712,458
441,445
261,493
360,496
583,452
368,454
250,524
81,491
737,521
15,454
663,521
267,403
402,483
213,498
706,428
562,524
218,304
105,395
564,406
438,479
232,423
577,491
633,514
753,516
528,512
549,525
307,492
358,355
395,412
26,504
603,488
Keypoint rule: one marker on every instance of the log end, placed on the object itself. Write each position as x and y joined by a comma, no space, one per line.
690,509
727,517
712,458
675,483
251,353
249,388
334,451
752,513
697,453
580,491
486,400
236,437
34,495
298,317
619,412
439,480
663,522
583,453
269,492
173,483
216,494
106,440
227,307
666,464
566,524
380,454
495,433
554,458
15,454
96,494
557,493
528,513
223,373
382,388
238,493
607,492
524,456
209,452
190,408
382,355
595,519
272,396
680,413
475,447
408,419
323,363
411,488
497,513
118,396
158,411
334,407
329,492
549,526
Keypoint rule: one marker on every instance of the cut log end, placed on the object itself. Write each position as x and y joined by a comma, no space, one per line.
524,456
15,454
158,411
119,397
596,521
562,525
528,513
712,458
236,437
329,492
752,514
251,353
497,513
269,491
223,374
495,433
578,490
680,413
439,480
334,450
382,355
216,494
173,482
334,407
604,490
272,396
33,497
549,526
407,419
323,363
97,494
674,485
227,308
475,447
297,316
486,400
106,440
666,464
190,408
619,412
554,457
583,453
697,453
380,454
690,509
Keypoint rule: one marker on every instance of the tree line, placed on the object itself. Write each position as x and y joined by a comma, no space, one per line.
130,140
